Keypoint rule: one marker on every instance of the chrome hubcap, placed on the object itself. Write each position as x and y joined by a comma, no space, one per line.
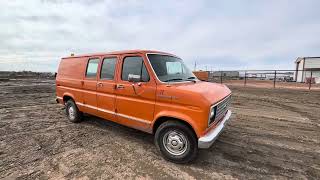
71,113
175,143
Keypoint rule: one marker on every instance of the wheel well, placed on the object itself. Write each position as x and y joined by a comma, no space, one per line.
66,98
163,119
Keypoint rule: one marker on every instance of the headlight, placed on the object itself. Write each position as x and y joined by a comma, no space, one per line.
211,114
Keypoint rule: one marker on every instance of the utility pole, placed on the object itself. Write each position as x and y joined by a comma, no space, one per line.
310,82
275,79
195,65
245,78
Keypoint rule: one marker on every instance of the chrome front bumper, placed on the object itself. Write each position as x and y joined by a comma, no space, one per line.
207,140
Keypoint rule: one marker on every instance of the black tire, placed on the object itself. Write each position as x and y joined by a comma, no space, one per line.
77,115
176,127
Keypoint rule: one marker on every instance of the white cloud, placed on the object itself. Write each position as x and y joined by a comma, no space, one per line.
222,34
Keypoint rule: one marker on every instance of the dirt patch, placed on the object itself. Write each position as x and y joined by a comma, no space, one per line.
274,133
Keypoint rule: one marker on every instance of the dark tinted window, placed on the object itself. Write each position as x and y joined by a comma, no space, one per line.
145,75
108,67
134,65
92,68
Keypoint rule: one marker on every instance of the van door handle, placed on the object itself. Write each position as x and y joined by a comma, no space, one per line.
120,86
100,84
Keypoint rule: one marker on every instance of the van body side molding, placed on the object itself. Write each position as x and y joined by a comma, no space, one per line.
114,113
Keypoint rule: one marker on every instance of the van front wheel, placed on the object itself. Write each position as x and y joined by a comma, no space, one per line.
73,113
176,142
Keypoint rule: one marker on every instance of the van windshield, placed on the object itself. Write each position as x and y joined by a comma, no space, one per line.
170,68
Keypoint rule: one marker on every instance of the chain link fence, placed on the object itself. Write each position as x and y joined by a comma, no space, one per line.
296,79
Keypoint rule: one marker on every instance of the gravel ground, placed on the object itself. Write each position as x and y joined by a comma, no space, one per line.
273,134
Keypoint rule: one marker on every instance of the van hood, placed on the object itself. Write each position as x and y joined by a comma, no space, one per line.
211,92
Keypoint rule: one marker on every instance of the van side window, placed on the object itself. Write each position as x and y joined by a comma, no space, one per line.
92,68
134,65
108,67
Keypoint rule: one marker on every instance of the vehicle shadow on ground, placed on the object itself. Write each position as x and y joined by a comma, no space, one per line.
205,156
118,128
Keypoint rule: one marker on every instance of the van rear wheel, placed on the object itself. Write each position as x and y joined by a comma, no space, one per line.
72,111
176,142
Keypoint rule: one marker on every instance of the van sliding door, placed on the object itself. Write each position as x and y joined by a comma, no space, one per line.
106,87
89,86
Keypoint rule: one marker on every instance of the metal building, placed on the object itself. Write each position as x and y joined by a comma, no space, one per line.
231,74
307,68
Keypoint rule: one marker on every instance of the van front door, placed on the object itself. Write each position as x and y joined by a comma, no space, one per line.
135,101
106,87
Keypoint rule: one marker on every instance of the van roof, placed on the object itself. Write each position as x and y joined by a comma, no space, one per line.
117,53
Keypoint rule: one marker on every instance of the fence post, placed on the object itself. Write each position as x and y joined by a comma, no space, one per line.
274,80
310,81
221,77
245,78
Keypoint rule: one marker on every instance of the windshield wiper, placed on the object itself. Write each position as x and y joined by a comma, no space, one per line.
180,79
191,79
174,79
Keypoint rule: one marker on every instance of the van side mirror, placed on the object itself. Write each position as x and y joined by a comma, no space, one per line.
134,78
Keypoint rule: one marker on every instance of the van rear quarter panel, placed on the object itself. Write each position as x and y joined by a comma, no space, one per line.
70,77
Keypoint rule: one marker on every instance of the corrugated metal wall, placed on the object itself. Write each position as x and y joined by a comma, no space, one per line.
312,63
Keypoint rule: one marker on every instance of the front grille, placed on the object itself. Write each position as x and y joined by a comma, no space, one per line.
220,110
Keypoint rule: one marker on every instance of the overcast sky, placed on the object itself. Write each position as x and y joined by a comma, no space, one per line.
237,34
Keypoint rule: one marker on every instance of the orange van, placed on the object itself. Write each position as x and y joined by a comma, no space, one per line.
152,91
